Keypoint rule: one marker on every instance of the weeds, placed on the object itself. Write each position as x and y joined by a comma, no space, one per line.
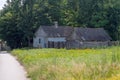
61,64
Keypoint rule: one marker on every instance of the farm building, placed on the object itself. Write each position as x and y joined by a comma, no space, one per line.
69,37
89,37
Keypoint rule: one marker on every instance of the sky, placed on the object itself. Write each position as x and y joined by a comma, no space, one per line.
2,2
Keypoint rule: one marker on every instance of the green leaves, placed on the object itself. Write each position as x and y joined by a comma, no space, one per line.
23,17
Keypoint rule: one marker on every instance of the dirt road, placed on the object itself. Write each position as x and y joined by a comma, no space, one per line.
10,69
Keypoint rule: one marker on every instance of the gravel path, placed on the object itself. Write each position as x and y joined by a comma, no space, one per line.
10,69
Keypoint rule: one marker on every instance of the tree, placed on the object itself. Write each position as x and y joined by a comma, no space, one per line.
19,19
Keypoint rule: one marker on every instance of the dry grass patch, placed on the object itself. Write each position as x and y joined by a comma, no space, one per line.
61,64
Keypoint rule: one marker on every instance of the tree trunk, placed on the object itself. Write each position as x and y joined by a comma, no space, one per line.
29,43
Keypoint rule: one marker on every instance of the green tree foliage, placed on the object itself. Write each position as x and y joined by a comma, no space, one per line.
19,19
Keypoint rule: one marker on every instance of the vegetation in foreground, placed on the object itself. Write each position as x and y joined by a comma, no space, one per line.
62,64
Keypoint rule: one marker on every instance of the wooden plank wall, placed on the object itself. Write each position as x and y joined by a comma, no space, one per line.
56,44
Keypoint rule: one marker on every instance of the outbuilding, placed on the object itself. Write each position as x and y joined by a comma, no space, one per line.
70,37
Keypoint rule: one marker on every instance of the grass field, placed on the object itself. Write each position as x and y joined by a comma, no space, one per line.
79,64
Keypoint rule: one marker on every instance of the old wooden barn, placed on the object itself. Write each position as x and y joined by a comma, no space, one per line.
69,37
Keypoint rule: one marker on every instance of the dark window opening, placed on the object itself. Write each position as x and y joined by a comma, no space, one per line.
39,40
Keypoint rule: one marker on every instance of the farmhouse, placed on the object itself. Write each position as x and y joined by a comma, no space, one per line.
69,37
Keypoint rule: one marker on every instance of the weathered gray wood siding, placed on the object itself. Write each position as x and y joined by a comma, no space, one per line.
78,44
40,39
75,37
56,42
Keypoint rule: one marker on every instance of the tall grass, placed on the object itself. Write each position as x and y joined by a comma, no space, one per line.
62,64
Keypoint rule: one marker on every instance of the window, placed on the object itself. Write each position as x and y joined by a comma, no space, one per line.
39,40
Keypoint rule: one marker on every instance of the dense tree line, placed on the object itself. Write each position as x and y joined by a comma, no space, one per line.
19,19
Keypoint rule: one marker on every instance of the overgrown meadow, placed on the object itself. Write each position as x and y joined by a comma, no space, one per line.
76,64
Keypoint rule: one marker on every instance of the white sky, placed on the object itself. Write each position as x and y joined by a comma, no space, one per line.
2,2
